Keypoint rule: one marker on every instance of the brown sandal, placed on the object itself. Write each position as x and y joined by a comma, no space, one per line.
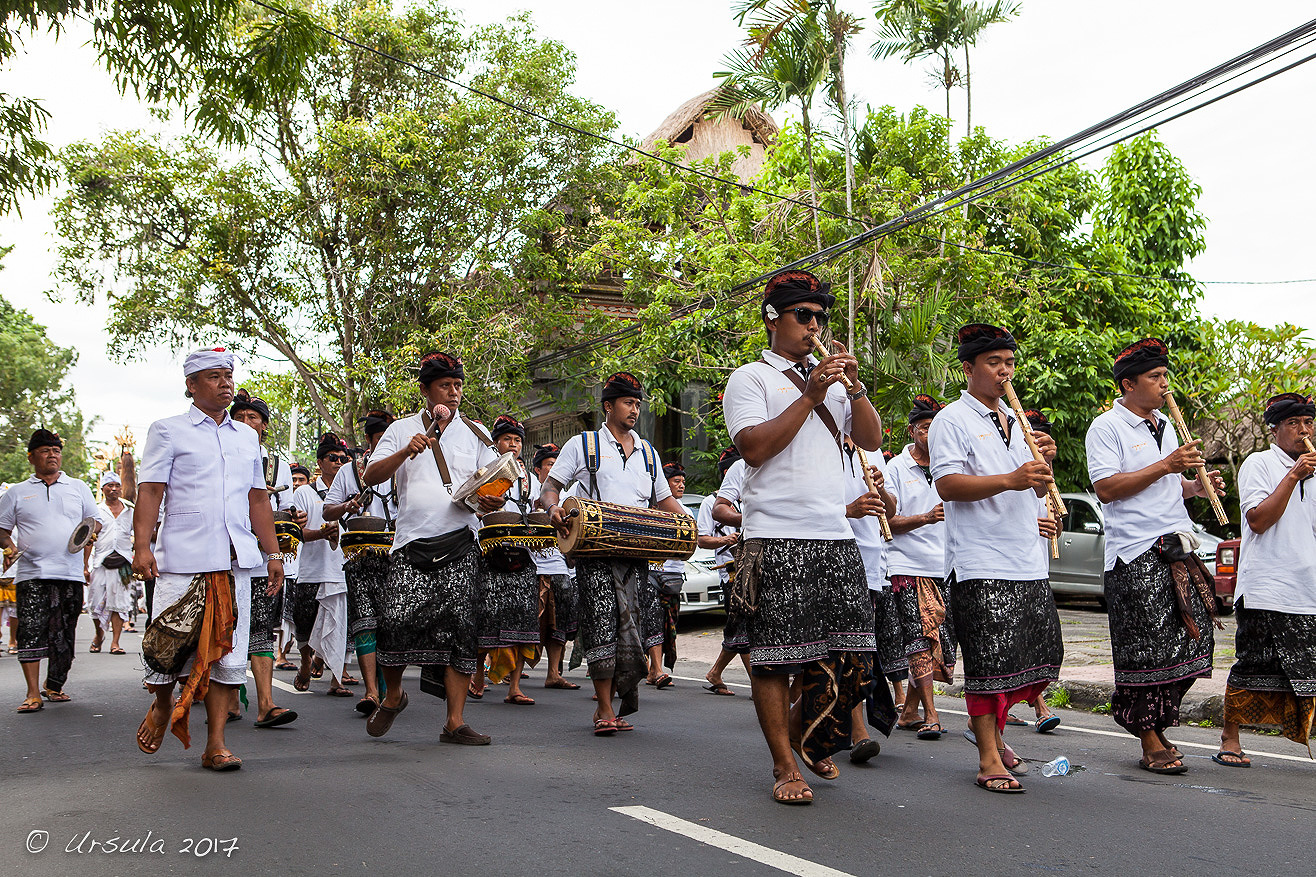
221,761
157,737
382,718
781,798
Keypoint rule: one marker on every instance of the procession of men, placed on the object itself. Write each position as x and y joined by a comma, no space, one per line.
851,583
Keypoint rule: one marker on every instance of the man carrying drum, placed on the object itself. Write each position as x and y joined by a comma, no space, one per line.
427,607
367,567
557,585
613,465
799,580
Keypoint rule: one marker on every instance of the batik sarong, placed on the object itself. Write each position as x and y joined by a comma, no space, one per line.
231,667
300,607
890,639
811,599
651,611
669,607
923,606
508,603
610,625
1156,658
831,689
48,611
266,612
366,572
1273,680
1009,634
428,618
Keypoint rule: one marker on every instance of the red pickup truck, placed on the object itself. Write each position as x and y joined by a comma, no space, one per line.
1226,573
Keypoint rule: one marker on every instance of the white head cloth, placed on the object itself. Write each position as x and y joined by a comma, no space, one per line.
215,357
110,478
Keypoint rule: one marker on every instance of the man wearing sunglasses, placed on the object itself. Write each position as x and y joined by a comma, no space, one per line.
321,583
800,584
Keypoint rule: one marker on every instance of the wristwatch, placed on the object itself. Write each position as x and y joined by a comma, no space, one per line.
278,557
859,393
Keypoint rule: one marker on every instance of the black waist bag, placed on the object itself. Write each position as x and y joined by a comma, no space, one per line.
436,552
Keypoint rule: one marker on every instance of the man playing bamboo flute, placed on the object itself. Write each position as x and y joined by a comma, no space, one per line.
1160,600
1004,615
1273,680
800,582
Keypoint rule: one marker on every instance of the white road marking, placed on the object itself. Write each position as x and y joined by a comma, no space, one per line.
1120,734
746,849
282,686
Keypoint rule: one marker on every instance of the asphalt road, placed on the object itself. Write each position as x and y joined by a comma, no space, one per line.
320,797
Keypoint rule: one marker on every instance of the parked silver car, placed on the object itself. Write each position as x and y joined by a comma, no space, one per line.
1082,561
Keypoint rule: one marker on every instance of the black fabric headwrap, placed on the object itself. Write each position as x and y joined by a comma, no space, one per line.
435,365
621,385
787,288
544,452
925,408
727,458
376,421
976,338
504,425
243,401
44,438
1140,357
330,443
1280,408
1037,420
672,470
299,469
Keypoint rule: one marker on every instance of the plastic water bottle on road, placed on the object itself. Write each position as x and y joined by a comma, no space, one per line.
1056,768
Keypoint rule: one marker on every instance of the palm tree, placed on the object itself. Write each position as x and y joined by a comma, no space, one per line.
785,63
976,20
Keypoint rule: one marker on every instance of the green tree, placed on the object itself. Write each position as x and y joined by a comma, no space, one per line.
379,213
33,394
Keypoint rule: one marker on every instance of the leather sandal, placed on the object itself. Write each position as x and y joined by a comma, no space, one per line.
465,736
221,761
382,718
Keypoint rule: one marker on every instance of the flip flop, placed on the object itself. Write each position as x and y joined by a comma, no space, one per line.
31,706
338,691
971,737
55,696
792,778
865,750
221,761
663,681
1048,724
1223,756
930,732
1011,787
382,718
519,700
622,725
604,728
95,649
825,774
1162,757
1013,763
301,683
473,694
720,690
117,652
1011,720
367,705
285,665
349,680
914,725
563,685
274,721
156,738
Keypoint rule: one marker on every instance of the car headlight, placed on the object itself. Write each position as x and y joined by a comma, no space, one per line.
1225,557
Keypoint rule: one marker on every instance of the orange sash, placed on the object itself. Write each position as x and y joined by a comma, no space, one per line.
217,623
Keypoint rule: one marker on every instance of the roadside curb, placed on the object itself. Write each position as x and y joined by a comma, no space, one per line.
1086,695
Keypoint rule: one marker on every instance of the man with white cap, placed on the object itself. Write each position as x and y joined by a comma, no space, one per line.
217,525
36,517
110,598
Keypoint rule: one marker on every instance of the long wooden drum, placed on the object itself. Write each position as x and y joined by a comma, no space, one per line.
604,529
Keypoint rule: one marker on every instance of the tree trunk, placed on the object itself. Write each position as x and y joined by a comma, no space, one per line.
813,184
968,94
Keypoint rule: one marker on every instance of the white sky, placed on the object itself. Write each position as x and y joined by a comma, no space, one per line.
1060,67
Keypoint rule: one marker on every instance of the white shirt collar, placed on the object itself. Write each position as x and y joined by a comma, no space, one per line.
1133,419
976,404
781,363
196,415
62,478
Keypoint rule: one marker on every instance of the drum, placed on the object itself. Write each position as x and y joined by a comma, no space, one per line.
604,529
365,533
290,535
8,592
507,530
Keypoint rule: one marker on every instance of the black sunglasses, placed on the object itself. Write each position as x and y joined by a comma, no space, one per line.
338,458
804,316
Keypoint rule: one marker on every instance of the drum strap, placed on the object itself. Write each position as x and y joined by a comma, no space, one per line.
592,441
820,409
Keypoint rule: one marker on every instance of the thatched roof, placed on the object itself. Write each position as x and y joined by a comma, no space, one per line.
689,124
759,124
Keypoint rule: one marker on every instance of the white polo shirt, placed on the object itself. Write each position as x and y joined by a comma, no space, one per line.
208,470
549,561
1277,568
867,531
41,519
1119,441
993,538
346,486
922,551
800,492
732,483
317,561
709,527
116,533
425,506
622,480
281,501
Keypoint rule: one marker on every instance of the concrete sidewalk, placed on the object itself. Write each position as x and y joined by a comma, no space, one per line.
1087,673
